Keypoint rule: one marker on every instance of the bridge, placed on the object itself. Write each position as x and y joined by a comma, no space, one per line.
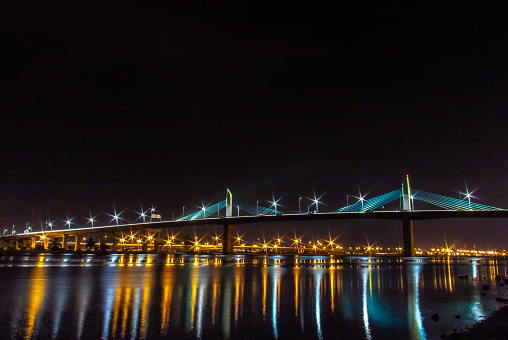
211,216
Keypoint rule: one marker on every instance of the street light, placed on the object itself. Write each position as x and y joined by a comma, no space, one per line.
299,205
116,217
91,220
183,211
274,203
152,210
204,212
68,222
468,195
361,198
316,202
142,214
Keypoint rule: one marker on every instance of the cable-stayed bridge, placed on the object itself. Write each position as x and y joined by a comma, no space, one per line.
228,215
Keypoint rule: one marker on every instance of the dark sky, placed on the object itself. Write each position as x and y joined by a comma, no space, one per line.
130,103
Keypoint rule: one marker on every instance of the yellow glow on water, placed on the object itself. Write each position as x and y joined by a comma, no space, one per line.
147,288
125,310
37,291
167,294
332,290
194,291
450,285
264,277
116,311
214,299
370,282
296,273
239,287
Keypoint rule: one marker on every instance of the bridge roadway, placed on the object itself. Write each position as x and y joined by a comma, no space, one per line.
154,228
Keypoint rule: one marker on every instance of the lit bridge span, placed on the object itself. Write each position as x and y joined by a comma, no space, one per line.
211,216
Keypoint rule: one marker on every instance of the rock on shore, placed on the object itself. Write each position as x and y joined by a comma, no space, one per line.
495,327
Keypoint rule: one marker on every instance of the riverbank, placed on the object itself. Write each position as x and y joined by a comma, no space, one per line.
495,327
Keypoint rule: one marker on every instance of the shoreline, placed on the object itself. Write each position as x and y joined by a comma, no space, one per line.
494,327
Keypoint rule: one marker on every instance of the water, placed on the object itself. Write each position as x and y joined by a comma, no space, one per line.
62,296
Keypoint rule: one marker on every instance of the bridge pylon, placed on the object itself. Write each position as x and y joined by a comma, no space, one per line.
406,195
407,225
229,229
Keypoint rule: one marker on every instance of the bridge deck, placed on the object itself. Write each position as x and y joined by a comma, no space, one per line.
239,220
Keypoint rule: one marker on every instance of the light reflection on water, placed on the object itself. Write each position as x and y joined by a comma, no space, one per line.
205,296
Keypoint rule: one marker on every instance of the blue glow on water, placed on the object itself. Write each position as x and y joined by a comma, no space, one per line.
415,321
319,278
277,298
365,309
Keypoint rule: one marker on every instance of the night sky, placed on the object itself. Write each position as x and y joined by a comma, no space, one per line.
131,103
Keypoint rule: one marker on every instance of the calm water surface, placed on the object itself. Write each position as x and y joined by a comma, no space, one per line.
69,296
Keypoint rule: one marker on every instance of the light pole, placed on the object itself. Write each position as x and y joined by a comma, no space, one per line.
151,213
274,203
204,211
257,207
361,200
469,199
347,200
316,202
183,211
299,205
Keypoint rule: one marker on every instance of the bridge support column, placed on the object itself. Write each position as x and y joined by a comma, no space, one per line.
156,241
115,243
65,241
408,237
77,243
102,237
228,241
33,239
16,244
144,247
46,243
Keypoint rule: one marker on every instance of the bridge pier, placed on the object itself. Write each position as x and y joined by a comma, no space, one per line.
151,235
156,239
115,243
144,246
408,238
228,241
65,241
33,239
77,243
102,244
